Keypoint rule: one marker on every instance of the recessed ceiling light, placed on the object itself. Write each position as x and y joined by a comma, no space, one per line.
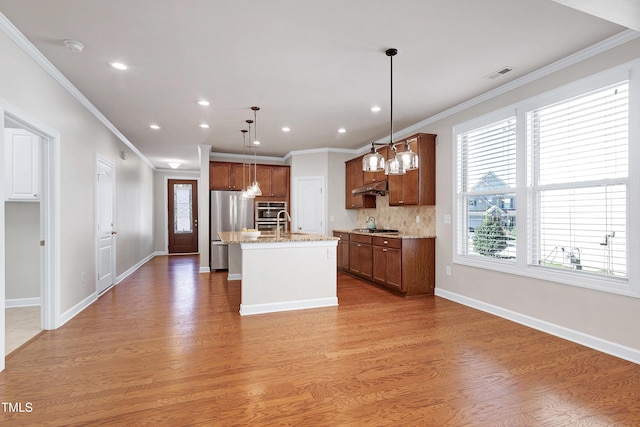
118,65
375,108
285,129
256,142
204,126
154,127
203,102
342,130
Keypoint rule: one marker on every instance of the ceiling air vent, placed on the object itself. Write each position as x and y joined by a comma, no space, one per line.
500,72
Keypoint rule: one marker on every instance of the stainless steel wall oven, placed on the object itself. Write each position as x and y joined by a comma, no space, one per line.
266,214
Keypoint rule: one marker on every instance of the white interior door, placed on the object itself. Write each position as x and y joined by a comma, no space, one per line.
105,225
309,211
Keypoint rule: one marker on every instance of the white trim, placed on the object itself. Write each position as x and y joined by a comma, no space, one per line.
79,307
19,39
182,171
247,310
134,268
158,253
251,246
204,270
604,346
22,302
234,276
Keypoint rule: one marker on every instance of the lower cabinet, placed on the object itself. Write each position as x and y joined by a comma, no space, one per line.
403,265
361,256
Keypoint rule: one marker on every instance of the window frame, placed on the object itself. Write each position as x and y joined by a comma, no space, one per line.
625,286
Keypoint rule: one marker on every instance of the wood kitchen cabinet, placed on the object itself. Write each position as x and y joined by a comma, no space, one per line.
343,250
417,187
228,176
387,262
273,180
405,266
361,256
354,178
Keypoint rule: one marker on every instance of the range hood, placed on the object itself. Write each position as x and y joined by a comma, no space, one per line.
371,189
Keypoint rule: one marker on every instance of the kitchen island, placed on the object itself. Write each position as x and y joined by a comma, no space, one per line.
291,272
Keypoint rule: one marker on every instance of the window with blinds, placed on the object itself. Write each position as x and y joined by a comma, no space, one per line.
577,178
548,187
486,190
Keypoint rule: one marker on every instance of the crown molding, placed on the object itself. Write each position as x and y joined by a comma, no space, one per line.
18,38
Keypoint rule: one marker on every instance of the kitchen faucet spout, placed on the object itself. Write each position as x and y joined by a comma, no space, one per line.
287,217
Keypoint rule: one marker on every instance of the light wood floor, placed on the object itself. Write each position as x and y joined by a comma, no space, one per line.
167,347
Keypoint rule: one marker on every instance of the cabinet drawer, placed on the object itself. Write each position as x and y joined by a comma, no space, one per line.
387,242
342,236
360,238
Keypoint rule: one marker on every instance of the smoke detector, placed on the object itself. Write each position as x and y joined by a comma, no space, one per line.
500,72
74,45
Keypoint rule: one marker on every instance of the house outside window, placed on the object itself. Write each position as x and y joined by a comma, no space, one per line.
543,187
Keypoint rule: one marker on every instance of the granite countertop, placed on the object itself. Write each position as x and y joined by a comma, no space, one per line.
237,237
399,235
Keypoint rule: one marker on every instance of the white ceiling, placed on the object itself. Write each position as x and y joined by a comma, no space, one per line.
314,66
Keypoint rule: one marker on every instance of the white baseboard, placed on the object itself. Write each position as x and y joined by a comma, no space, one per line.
76,309
234,276
246,310
205,270
608,347
135,267
160,253
22,302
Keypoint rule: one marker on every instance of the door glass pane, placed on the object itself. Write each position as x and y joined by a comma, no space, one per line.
182,214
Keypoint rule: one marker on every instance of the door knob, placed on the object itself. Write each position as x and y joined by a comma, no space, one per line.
114,232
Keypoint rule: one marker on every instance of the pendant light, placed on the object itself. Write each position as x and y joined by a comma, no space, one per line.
393,166
373,162
246,194
255,187
248,191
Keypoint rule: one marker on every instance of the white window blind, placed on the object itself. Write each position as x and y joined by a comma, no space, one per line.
577,178
486,190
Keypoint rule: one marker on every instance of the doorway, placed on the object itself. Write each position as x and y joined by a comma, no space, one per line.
47,214
310,205
182,215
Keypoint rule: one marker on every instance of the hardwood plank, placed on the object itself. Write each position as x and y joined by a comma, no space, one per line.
167,347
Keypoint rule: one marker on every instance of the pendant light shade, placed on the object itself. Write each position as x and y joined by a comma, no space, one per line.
254,186
373,162
408,158
246,193
394,166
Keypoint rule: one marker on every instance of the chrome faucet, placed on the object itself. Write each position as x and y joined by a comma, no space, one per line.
287,217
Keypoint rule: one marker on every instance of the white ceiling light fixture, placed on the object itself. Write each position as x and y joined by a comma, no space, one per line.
375,109
342,130
255,187
286,129
174,164
204,103
74,45
204,126
154,126
118,65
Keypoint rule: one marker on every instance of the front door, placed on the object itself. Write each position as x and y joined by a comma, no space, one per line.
309,212
106,260
183,216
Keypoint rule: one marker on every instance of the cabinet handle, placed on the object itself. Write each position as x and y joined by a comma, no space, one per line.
400,201
386,243
359,246
384,250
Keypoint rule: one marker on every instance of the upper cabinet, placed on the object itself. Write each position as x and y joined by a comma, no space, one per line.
22,165
229,176
417,187
354,178
273,180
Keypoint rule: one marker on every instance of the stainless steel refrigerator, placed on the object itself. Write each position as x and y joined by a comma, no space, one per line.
229,212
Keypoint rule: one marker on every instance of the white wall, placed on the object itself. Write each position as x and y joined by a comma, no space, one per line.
605,316
27,86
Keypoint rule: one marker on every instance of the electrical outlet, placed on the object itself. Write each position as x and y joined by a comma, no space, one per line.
447,270
417,219
447,219
332,218
83,278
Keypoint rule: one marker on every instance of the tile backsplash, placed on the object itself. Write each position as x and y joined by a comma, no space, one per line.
402,218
